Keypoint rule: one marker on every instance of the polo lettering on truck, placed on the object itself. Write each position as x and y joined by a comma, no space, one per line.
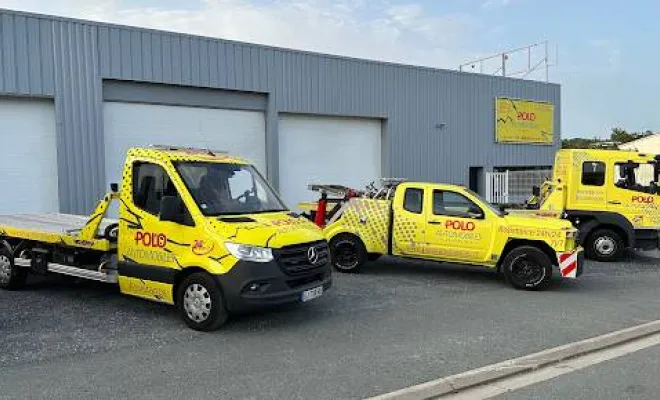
460,225
193,240
150,239
445,223
643,199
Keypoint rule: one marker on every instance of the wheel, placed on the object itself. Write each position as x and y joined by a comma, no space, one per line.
604,245
373,257
11,276
201,303
348,253
527,268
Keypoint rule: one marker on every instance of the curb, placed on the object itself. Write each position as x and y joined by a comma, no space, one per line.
455,383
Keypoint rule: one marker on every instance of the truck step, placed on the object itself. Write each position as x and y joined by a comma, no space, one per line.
108,277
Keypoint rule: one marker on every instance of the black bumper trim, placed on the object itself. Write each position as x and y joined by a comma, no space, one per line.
275,287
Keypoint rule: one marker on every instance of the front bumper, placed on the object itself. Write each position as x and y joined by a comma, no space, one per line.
273,285
571,263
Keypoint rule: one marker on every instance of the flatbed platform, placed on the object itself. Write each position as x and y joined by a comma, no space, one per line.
54,223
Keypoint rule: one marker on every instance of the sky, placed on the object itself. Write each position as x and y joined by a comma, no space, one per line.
606,52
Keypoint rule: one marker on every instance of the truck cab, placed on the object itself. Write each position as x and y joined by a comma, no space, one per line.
611,196
198,229
450,223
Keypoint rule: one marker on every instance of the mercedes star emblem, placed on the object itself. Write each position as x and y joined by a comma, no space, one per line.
312,255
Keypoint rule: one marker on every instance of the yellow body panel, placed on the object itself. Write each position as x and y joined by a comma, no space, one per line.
446,238
150,290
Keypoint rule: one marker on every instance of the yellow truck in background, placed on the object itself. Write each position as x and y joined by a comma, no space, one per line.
611,196
198,229
445,223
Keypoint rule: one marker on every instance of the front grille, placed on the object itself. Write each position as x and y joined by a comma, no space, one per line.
294,259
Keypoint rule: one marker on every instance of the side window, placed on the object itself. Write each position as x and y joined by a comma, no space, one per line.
593,173
150,184
635,176
453,204
413,200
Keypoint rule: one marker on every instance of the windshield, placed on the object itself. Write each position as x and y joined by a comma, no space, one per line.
493,208
228,189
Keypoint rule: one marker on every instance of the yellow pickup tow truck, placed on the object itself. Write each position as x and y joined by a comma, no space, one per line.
611,196
198,229
443,223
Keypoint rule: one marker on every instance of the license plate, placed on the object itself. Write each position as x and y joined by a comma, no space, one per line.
311,294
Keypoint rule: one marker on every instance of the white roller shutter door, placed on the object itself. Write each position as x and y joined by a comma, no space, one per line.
29,158
127,125
315,149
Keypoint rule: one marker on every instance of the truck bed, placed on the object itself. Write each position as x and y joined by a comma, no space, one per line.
50,223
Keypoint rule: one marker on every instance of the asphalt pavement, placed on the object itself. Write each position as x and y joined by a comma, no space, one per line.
633,377
396,324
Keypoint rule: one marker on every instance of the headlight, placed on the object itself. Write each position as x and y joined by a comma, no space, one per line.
250,253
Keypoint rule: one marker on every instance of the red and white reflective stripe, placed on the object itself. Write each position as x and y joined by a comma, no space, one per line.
568,263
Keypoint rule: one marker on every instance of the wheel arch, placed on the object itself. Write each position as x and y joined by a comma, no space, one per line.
183,274
590,221
515,243
344,231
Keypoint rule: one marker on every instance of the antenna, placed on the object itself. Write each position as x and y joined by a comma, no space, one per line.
520,62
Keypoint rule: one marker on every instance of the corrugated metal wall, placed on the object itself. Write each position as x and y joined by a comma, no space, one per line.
438,122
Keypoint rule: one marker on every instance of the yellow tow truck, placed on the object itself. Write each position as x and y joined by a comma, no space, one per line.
611,196
446,223
197,228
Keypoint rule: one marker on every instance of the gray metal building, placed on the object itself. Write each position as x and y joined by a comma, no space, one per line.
74,94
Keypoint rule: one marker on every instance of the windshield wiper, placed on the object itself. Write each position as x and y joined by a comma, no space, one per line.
268,211
220,214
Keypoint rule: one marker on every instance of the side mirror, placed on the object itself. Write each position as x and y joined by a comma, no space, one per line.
475,212
171,209
536,191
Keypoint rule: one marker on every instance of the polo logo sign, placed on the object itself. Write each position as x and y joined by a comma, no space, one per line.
150,239
460,225
643,199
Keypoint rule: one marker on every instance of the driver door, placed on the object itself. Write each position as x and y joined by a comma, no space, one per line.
458,229
149,248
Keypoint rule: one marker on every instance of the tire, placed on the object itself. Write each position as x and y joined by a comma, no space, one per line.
201,303
604,245
527,268
12,277
348,253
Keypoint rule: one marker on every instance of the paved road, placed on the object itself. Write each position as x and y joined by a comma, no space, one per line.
631,377
394,325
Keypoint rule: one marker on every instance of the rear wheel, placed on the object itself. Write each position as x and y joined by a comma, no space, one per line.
527,268
348,253
11,276
604,245
201,303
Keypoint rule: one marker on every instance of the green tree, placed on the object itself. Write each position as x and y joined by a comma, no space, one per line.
620,135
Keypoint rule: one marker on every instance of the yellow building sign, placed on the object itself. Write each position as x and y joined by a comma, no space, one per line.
523,121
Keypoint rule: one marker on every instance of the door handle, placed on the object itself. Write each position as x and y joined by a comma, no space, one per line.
435,222
614,202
